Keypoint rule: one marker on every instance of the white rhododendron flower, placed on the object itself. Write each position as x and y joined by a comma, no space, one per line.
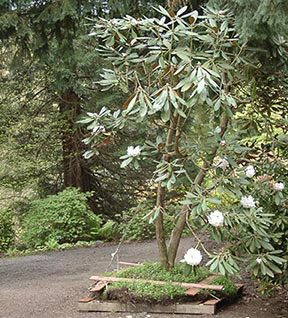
193,257
250,171
278,186
258,260
99,129
222,163
216,218
133,152
248,202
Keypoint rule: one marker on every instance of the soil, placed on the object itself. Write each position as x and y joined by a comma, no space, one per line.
49,285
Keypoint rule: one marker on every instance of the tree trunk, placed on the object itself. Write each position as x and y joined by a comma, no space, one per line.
75,170
180,224
160,236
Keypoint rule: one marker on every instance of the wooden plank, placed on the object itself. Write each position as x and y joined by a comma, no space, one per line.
86,299
120,307
216,300
213,301
99,286
239,287
129,264
187,285
194,291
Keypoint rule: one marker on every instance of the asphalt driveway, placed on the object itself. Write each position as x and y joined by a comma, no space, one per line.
49,285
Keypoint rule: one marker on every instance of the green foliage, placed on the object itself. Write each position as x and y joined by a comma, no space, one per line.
263,25
60,218
152,291
7,233
49,245
45,52
135,222
188,87
229,287
155,271
109,231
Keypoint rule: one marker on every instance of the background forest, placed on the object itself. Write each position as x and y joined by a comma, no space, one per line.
63,181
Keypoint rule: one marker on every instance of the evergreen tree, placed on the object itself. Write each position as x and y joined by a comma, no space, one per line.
51,36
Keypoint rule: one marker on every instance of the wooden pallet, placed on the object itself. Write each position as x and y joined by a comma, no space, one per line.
207,306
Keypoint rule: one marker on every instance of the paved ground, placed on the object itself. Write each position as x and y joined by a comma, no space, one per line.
50,284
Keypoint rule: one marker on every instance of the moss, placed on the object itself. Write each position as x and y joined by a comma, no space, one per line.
155,271
229,287
148,291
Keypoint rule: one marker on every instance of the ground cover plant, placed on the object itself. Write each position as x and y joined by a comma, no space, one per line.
153,293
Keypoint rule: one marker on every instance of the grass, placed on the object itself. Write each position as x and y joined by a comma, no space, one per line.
151,291
229,287
12,252
155,271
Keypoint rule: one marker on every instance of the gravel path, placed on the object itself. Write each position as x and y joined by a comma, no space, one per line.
50,284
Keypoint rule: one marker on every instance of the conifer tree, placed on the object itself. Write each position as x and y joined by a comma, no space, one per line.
48,35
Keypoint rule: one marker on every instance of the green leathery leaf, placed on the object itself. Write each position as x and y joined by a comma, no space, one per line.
221,268
181,113
165,115
273,267
130,105
201,86
126,162
187,269
217,105
154,215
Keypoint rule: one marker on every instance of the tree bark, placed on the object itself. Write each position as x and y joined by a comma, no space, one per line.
160,235
75,170
180,224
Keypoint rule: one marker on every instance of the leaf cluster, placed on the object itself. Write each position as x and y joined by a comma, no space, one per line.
7,231
61,218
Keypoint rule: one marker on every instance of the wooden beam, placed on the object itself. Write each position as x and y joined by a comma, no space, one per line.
99,286
129,264
194,291
132,280
120,307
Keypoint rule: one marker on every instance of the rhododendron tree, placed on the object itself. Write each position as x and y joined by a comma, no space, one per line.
183,75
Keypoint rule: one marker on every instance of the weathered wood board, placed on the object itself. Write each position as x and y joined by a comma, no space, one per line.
113,306
187,285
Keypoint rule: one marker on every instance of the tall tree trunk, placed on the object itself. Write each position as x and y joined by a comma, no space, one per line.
160,236
180,224
76,172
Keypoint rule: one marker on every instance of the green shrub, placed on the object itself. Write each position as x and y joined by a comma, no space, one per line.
109,231
61,218
135,222
7,233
